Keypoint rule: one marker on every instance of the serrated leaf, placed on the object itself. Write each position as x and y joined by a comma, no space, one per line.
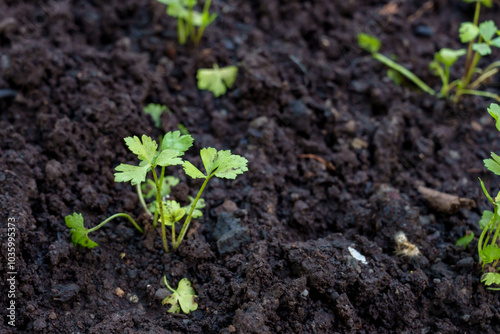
192,171
482,48
222,163
494,111
169,158
485,219
144,150
172,212
197,213
487,30
468,31
493,164
449,56
155,111
79,234
174,141
134,174
184,297
489,253
491,278
369,43
465,240
216,80
496,42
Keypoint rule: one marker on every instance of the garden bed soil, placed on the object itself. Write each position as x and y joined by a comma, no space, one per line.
273,252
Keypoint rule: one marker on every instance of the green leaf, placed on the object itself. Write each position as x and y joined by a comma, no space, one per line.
79,234
448,56
184,297
172,212
145,150
468,31
496,42
217,79
149,189
490,253
487,3
482,48
155,111
486,192
369,43
169,158
487,30
465,240
223,164
197,213
485,219
493,164
174,141
192,171
494,110
134,174
491,278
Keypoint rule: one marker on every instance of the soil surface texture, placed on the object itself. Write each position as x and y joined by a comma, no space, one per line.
301,243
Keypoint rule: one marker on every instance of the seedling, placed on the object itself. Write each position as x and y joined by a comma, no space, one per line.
489,253
465,240
217,163
480,37
155,111
188,18
181,299
216,80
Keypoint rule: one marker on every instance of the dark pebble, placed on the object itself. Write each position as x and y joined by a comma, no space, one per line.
423,31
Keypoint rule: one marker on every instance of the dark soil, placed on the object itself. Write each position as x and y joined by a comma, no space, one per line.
271,253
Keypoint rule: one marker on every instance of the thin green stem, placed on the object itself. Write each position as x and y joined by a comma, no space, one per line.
190,214
160,205
190,26
141,200
469,48
161,182
477,93
206,16
181,31
113,217
483,77
404,71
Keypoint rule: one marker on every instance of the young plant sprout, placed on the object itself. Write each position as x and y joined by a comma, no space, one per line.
480,38
216,80
181,299
466,239
155,111
188,19
151,156
489,253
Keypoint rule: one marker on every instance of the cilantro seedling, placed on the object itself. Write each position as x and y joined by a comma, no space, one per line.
220,164
489,253
190,23
155,111
181,299
465,240
480,38
216,79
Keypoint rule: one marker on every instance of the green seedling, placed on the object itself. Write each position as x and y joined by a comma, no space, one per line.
155,111
221,164
216,79
190,23
465,240
181,299
480,38
489,253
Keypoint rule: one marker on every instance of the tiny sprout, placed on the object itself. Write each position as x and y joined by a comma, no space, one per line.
155,111
404,247
217,79
465,240
181,299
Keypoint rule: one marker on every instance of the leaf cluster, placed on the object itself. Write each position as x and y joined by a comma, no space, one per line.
216,80
183,298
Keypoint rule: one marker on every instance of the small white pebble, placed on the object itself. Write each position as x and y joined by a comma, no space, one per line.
357,255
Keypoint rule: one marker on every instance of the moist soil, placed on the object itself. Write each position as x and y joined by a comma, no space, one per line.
275,251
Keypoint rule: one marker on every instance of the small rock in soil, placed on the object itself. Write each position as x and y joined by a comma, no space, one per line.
64,292
229,233
423,31
162,293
